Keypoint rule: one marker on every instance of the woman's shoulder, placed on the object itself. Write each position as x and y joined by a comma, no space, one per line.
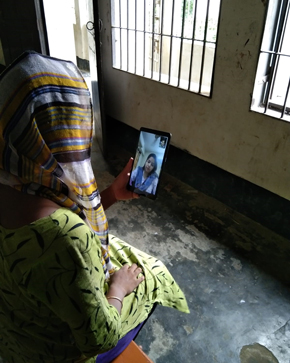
70,224
63,224
18,209
56,234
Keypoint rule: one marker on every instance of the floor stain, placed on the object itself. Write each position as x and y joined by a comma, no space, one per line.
162,343
256,353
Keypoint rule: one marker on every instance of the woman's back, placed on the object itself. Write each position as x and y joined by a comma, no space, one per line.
44,267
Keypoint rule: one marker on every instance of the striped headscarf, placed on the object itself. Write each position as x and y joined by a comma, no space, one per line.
46,126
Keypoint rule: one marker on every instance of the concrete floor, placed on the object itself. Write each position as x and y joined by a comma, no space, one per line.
233,271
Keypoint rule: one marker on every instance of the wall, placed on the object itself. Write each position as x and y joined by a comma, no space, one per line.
222,130
18,29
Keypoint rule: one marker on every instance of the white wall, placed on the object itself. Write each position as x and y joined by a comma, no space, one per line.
221,130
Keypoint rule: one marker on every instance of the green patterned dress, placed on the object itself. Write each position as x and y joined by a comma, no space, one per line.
52,292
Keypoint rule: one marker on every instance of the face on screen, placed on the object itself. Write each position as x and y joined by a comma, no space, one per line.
148,163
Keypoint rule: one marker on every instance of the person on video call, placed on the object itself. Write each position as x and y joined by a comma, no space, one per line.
70,291
144,178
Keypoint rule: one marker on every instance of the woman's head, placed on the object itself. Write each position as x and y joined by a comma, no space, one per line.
150,165
46,129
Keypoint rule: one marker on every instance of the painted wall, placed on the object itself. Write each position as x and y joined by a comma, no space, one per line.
18,29
222,130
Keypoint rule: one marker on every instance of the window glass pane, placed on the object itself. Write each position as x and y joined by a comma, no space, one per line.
270,25
131,51
149,14
158,17
140,53
123,13
201,10
185,64
189,18
131,14
281,81
140,14
207,69
115,11
156,58
124,64
167,17
196,66
116,47
148,55
212,21
286,38
165,50
177,18
174,61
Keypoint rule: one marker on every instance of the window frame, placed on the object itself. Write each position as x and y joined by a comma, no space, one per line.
277,18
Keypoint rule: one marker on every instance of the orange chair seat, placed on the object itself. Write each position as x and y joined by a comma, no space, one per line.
132,354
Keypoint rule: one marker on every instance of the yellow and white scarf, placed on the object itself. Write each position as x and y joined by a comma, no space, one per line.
46,127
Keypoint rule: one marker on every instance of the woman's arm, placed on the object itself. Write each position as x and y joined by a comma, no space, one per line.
122,283
154,185
117,190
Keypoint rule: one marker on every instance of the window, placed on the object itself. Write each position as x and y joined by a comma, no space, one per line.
169,41
271,89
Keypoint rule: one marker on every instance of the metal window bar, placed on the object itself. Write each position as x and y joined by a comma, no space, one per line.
192,48
171,35
152,45
181,43
286,98
160,33
203,48
128,36
135,65
144,38
161,39
120,32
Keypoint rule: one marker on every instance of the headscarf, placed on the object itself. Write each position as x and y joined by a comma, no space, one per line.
46,127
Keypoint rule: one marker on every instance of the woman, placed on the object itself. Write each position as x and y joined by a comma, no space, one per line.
68,290
145,179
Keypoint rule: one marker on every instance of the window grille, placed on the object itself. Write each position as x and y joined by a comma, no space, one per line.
169,41
272,84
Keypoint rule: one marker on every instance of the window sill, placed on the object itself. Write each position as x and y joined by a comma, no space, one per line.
271,112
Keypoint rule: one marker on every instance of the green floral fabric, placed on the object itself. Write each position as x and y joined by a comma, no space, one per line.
52,292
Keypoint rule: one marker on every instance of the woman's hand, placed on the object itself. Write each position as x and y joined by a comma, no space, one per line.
120,183
125,280
118,190
122,283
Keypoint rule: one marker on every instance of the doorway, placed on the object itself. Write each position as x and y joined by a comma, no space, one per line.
71,36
